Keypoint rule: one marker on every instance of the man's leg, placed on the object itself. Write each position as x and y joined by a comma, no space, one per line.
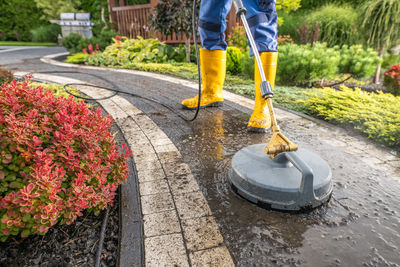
212,26
262,18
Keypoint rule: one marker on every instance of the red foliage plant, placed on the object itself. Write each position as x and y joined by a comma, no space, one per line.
91,51
57,159
392,78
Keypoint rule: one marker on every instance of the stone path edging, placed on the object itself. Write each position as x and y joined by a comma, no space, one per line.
179,229
372,155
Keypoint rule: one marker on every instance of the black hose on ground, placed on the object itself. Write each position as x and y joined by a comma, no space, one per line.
194,27
102,235
116,91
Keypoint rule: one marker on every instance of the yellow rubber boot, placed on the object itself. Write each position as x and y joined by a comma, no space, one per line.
213,68
260,120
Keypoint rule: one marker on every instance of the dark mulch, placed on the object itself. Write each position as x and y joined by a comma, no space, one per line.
65,245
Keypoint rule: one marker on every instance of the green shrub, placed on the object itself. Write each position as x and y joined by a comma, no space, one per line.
358,61
238,37
71,43
74,42
178,53
18,18
392,78
77,58
390,59
104,38
291,22
375,114
248,66
234,63
304,65
46,33
125,50
5,75
339,25
313,4
100,59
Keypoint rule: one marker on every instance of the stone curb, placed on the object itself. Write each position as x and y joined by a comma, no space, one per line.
374,156
179,229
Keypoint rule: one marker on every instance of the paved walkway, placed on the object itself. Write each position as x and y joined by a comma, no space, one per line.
186,201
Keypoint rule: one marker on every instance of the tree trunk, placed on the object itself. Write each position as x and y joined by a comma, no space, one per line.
103,19
187,44
378,69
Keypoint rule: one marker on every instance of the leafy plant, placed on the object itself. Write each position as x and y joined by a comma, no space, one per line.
375,114
125,50
58,158
99,13
77,58
392,78
315,4
248,66
338,24
358,61
390,59
174,16
53,8
18,18
46,33
5,75
381,24
285,6
304,65
72,42
89,50
237,38
284,40
234,64
291,22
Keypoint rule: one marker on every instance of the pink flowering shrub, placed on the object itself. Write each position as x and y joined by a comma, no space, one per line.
57,159
392,78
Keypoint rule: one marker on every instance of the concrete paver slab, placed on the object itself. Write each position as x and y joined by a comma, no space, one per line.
165,250
157,203
212,257
192,205
201,233
161,223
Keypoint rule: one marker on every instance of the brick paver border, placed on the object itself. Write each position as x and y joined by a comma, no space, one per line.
179,229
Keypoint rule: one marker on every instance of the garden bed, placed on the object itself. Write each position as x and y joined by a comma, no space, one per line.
69,245
66,245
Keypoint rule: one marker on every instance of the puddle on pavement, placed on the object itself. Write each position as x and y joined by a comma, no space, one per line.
359,226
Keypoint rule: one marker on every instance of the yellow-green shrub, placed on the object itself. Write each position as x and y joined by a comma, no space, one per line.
77,58
375,114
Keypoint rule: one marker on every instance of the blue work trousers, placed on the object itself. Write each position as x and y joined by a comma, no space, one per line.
261,16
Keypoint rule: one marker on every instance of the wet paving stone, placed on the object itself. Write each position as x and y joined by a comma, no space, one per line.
358,227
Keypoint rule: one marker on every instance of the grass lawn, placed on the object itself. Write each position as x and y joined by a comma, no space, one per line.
15,43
